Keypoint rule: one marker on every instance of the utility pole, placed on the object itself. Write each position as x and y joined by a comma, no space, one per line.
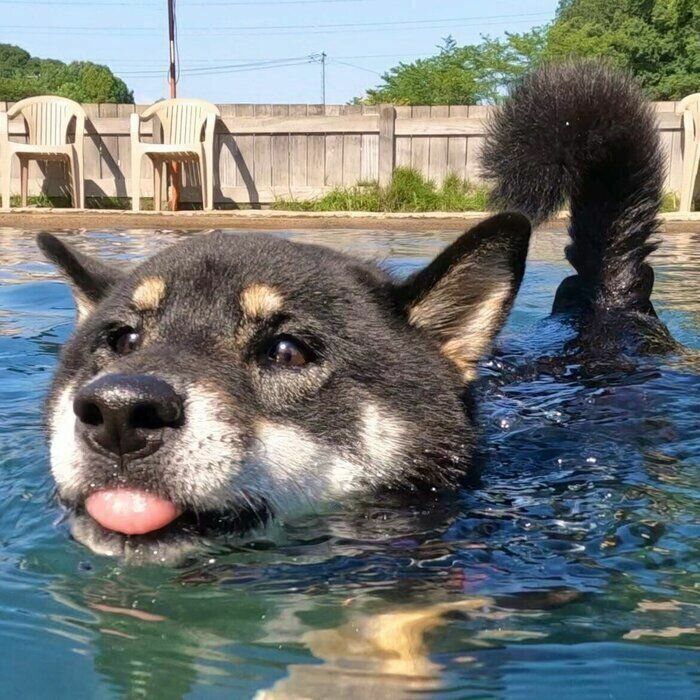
174,188
321,58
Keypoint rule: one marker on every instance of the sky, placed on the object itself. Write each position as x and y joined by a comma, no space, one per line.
257,50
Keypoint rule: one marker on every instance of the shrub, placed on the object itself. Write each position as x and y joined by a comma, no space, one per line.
408,191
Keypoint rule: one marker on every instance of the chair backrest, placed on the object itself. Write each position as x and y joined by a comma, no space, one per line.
47,118
691,105
182,119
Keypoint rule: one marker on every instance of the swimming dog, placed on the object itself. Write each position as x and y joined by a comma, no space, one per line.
232,379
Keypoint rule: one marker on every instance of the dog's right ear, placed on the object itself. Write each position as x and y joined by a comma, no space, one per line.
89,278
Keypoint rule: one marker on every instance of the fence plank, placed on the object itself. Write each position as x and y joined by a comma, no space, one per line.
298,150
369,167
334,160
457,145
475,144
447,126
263,151
457,156
280,151
420,145
437,162
352,158
316,160
109,150
387,144
316,152
226,153
244,154
403,152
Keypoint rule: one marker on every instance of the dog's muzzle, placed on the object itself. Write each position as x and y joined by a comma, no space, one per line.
125,414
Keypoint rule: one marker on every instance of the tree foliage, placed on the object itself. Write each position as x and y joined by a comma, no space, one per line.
658,40
22,75
459,74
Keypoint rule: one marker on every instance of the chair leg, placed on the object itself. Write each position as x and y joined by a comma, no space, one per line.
5,179
688,178
24,179
210,180
79,182
136,181
157,185
696,170
75,182
203,182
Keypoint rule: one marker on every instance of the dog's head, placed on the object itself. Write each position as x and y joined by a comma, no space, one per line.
234,378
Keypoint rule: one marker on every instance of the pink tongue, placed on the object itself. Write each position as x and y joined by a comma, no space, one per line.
129,511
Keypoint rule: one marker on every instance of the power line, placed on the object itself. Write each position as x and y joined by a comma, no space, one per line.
224,3
321,58
290,29
233,62
160,74
225,68
78,3
352,65
154,6
388,23
216,32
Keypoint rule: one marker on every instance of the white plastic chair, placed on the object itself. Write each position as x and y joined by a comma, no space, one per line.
186,134
47,119
689,107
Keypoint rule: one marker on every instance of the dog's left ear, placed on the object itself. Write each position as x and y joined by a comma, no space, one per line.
90,279
463,297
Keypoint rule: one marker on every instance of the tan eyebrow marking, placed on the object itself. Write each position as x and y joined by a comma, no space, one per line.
260,301
149,294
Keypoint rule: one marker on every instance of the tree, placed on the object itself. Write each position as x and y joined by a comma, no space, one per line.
459,74
22,75
658,40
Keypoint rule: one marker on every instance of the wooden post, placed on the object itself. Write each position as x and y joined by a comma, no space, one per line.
174,190
387,144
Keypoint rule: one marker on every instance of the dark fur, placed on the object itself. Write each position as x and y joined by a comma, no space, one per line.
582,133
354,317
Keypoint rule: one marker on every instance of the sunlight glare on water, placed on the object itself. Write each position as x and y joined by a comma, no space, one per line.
570,570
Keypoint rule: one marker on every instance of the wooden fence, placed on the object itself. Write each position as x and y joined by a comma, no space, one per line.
266,152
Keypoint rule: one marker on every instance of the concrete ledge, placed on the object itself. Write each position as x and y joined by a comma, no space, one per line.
36,218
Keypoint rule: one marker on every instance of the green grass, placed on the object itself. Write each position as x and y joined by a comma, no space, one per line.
59,202
670,202
44,201
408,191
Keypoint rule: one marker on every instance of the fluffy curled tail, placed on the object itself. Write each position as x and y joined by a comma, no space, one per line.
582,132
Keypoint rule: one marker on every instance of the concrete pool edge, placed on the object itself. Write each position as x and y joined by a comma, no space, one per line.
271,219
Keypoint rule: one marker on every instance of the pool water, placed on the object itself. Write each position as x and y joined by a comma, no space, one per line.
569,571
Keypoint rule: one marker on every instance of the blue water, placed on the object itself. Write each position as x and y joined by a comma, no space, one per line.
570,571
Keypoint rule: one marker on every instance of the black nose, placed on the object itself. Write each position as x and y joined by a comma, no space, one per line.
126,413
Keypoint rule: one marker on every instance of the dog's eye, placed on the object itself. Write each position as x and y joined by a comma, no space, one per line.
124,340
289,353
